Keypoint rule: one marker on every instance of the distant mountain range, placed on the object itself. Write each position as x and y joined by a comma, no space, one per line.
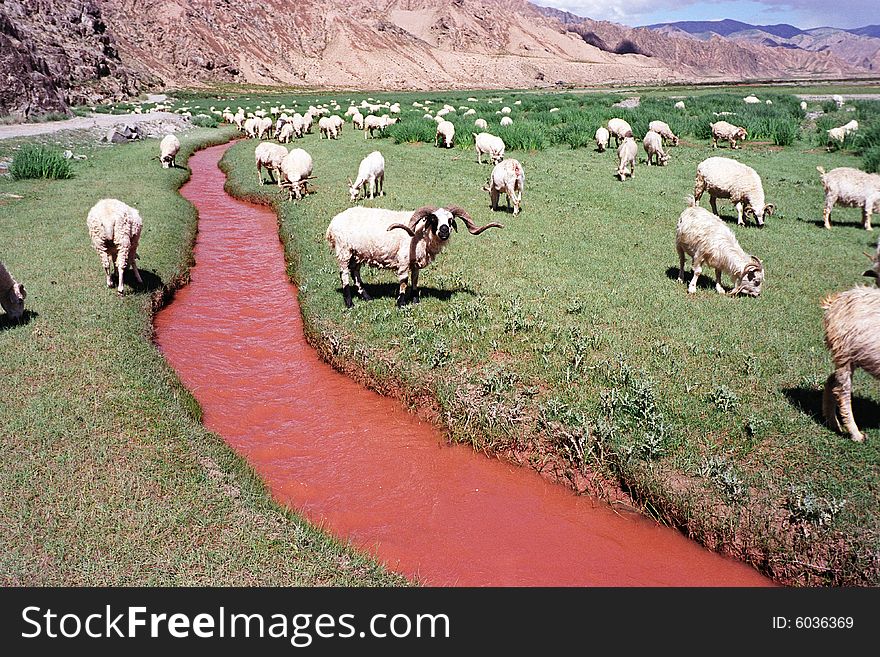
858,46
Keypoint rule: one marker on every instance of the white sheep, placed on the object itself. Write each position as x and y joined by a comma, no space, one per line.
250,127
679,105
726,178
286,133
269,156
727,132
505,110
371,172
838,100
489,144
602,137
327,128
626,158
481,124
508,178
337,121
12,294
708,240
371,124
619,129
296,170
115,230
851,188
803,106
446,132
263,127
840,133
357,121
169,147
506,121
403,241
653,144
664,131
852,335
751,100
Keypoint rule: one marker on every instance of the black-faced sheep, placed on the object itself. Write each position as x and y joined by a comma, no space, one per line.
115,229
169,147
403,241
708,240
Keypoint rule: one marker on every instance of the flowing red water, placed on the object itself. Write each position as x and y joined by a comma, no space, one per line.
363,467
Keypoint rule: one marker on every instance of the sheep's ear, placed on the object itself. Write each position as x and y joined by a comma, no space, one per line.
454,225
769,209
871,274
20,291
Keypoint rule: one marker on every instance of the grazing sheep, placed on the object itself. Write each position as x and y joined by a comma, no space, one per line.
370,172
269,156
481,124
602,137
664,131
852,335
505,110
403,241
751,100
327,128
263,127
489,144
446,132
803,106
506,120
508,178
726,178
618,128
653,144
851,188
357,121
371,124
728,132
708,240
626,157
679,105
296,170
115,229
169,147
839,134
338,122
838,100
250,127
12,294
286,133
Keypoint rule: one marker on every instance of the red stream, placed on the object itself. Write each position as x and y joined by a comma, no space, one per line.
363,467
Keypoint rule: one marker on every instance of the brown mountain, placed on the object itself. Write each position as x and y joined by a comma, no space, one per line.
716,57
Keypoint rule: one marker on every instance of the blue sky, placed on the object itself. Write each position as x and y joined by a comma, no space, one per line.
802,13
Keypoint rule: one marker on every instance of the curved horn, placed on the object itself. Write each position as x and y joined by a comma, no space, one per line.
466,218
769,209
403,227
421,214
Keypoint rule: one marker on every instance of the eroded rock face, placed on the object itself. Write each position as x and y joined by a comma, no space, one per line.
54,54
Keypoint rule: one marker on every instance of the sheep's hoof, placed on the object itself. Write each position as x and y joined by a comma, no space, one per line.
692,290
363,295
416,299
401,300
859,438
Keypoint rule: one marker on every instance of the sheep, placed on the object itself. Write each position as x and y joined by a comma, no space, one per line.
250,127
838,100
602,138
446,131
508,178
115,230
337,121
727,131
371,124
664,131
403,241
618,128
679,105
840,133
653,144
626,157
263,127
351,111
851,188
489,144
169,147
852,335
481,124
709,241
308,120
357,121
296,169
751,100
726,178
286,133
506,121
12,294
269,156
803,106
505,110
327,127
370,172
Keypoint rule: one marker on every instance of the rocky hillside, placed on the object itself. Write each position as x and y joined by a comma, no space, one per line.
56,54
715,57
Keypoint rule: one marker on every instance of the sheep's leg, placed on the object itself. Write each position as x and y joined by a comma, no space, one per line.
132,259
719,288
698,269
345,277
414,291
271,176
107,263
826,216
356,274
739,214
714,203
260,173
867,217
843,395
680,263
829,404
372,188
401,292
494,195
122,262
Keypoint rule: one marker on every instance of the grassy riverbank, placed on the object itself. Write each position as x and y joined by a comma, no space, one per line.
108,477
563,341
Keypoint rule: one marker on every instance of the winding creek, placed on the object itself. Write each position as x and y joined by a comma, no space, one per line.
360,465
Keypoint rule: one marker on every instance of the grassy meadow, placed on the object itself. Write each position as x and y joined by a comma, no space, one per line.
108,477
564,341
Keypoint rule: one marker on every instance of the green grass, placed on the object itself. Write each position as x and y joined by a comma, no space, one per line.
108,477
564,342
34,161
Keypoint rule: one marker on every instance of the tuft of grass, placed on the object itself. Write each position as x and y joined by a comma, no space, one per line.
35,161
204,121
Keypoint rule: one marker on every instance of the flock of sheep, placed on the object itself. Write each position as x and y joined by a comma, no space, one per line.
408,241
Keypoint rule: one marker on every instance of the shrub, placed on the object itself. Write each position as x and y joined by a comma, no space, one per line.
34,161
524,136
412,130
871,160
577,135
204,121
